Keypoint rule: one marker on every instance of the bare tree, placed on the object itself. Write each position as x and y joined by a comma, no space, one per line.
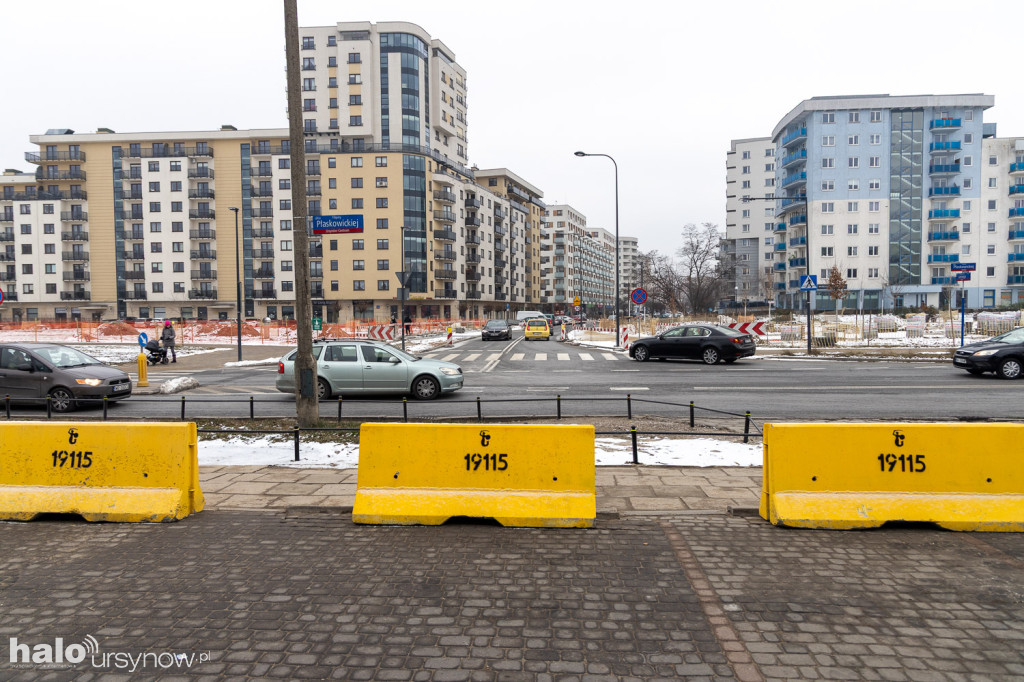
836,285
661,280
700,271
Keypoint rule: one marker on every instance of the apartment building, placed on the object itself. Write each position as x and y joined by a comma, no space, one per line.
749,243
576,262
904,194
145,223
629,266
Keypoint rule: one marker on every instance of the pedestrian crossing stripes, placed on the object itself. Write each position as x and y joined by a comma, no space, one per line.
470,356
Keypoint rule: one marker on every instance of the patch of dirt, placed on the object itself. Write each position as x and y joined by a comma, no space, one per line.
116,329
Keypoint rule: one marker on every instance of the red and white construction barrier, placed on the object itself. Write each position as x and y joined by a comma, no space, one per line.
749,328
624,337
380,332
449,336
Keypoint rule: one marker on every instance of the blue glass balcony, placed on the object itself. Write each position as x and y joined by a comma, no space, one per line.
1016,212
790,202
1015,279
781,246
794,136
944,123
943,168
943,280
797,220
794,179
944,258
794,157
1014,257
1016,234
943,236
780,286
780,267
780,227
1016,189
951,191
798,262
794,284
944,213
944,147
798,241
1017,167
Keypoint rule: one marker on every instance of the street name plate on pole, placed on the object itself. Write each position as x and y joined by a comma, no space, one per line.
963,267
963,276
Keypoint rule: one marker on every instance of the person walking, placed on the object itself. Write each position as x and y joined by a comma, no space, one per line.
167,338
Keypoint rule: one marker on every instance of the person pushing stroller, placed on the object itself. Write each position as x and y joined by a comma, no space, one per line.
167,339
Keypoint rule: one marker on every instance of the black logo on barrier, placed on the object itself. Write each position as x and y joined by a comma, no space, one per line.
899,438
485,438
72,436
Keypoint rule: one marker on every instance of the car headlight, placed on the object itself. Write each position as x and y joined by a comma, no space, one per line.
89,382
991,351
451,371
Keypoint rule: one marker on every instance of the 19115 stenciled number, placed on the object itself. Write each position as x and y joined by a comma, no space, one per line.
73,460
911,464
490,462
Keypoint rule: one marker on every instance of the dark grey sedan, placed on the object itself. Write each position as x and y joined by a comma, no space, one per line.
708,343
496,329
29,372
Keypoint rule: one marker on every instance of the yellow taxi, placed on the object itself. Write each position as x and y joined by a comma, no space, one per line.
536,329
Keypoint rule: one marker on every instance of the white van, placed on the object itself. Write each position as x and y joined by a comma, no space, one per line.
524,315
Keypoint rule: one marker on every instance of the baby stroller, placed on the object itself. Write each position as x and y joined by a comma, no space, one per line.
155,354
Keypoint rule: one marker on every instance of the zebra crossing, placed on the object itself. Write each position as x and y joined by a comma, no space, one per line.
475,355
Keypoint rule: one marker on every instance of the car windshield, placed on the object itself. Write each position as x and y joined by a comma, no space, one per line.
495,324
1015,336
62,356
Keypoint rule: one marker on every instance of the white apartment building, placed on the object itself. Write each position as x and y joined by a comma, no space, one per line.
749,225
629,266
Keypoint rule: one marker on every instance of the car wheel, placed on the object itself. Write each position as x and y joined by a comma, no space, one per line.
426,388
323,389
710,356
1010,368
641,354
976,372
61,400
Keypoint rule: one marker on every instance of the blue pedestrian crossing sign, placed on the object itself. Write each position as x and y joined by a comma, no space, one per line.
808,282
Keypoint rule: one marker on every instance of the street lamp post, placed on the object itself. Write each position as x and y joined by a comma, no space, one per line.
238,282
402,291
807,248
617,330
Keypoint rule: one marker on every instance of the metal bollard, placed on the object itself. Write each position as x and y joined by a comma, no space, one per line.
632,433
479,413
746,428
405,410
691,414
629,406
182,408
7,405
252,413
339,409
558,402
49,413
104,408
295,431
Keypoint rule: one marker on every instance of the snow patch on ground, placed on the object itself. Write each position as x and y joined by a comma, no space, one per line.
253,363
178,385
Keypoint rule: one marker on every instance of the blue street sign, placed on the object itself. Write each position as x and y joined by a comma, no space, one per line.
335,224
963,276
143,339
639,296
808,282
963,267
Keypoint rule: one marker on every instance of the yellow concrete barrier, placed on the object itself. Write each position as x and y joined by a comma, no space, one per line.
959,476
540,476
104,471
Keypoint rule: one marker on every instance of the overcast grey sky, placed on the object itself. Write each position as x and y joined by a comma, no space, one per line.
661,86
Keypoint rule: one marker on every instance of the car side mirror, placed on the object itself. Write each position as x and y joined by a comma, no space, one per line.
394,360
25,367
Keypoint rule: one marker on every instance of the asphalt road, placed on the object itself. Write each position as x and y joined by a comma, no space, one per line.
521,378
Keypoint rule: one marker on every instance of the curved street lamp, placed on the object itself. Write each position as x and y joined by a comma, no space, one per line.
617,330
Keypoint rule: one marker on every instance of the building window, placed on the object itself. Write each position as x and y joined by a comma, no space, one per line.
382,202
357,162
873,206
851,229
355,120
853,140
874,161
354,79
383,285
357,183
828,117
851,250
382,182
382,264
853,162
854,117
874,184
852,206
827,251
382,223
828,229
154,207
382,161
872,250
286,245
828,162
875,138
358,265
873,228
990,272
154,166
828,207
357,244
382,244
851,273
876,117
354,58
357,203
359,285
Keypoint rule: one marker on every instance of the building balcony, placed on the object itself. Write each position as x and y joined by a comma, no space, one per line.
201,194
7,218
262,232
500,262
1016,189
943,280
943,236
133,255
499,212
262,253
314,191
780,227
472,276
796,157
133,195
473,239
445,195
262,213
76,174
797,220
944,258
944,124
951,191
1015,279
255,191
208,294
500,279
1014,257
131,235
270,150
73,216
134,296
204,275
51,157
1017,167
473,202
944,147
131,215
200,214
263,273
199,152
444,254
780,267
516,192
791,202
131,174
795,136
473,295
75,256
135,274
446,294
472,258
202,234
519,207
780,286
500,296
501,231
7,257
795,179
1016,234
313,171
446,274
798,241
75,296
445,234
944,213
499,247
76,276
74,236
7,277
203,254
316,250
207,173
473,221
944,168
444,216
1016,212
798,262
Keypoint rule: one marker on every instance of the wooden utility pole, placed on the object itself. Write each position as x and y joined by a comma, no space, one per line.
306,401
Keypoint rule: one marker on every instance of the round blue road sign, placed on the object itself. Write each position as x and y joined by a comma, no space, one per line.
639,296
143,339
1,295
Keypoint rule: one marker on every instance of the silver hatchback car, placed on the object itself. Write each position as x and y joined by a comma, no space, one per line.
29,372
351,366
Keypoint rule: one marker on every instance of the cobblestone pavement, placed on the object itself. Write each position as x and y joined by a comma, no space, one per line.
302,593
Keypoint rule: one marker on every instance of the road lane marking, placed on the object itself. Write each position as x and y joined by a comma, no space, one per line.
471,357
547,388
449,357
628,388
610,356
878,387
563,356
625,370
540,357
586,356
493,356
518,356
